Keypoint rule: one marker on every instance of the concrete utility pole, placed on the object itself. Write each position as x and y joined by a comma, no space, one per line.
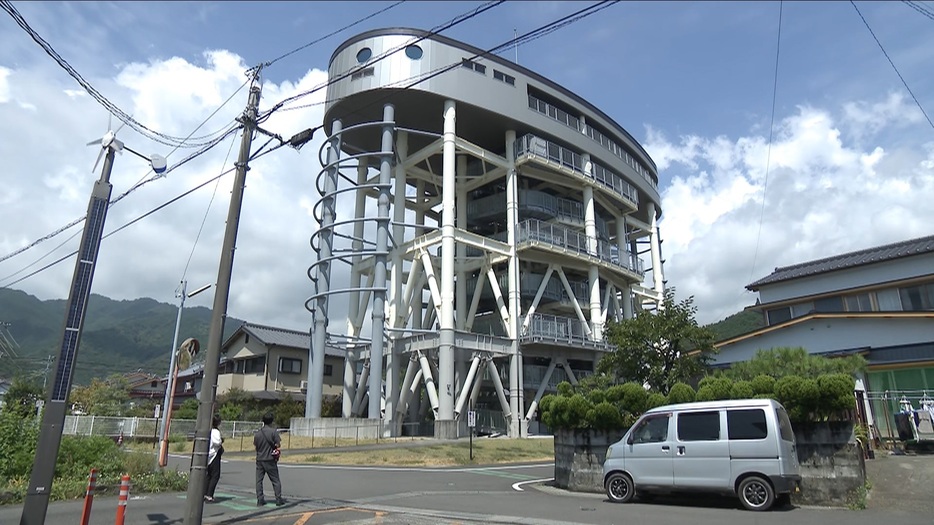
199,462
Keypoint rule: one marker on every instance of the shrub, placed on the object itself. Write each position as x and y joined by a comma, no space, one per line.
18,437
655,400
715,388
763,384
742,390
801,397
681,393
836,393
78,454
633,397
596,396
565,389
605,416
577,408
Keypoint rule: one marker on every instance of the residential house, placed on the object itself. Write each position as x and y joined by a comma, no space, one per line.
877,302
145,386
187,384
267,362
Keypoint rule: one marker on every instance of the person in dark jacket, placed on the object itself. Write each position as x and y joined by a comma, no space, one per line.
266,441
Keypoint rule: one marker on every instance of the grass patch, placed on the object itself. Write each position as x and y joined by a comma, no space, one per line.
485,451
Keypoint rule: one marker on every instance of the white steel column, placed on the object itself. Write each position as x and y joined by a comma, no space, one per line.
350,359
398,299
448,243
460,361
379,270
593,273
512,224
623,247
318,335
655,244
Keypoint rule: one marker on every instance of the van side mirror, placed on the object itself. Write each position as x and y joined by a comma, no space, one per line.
629,440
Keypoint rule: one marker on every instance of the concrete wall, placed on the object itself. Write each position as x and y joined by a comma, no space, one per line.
579,457
833,469
352,428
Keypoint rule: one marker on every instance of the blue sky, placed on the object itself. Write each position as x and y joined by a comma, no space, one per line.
851,163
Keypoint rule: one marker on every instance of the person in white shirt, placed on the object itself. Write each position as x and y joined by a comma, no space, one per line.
215,451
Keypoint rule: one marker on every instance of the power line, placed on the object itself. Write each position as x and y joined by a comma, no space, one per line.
156,136
147,214
768,156
900,77
332,33
919,8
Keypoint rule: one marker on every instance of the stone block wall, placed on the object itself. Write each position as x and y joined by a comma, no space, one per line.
579,457
833,469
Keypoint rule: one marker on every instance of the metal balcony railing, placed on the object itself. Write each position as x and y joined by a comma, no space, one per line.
534,230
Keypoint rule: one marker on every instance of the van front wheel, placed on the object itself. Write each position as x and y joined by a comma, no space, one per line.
619,488
756,493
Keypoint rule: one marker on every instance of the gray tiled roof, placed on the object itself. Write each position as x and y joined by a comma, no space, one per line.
285,337
848,260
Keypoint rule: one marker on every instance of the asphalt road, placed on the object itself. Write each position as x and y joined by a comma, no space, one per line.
322,494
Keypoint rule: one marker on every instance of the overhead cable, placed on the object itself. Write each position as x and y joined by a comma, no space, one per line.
900,77
332,33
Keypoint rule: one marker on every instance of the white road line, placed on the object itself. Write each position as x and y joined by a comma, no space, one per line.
409,469
518,486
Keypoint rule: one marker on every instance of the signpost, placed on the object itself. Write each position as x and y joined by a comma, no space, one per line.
471,423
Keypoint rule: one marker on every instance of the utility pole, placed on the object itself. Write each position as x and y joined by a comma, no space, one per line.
199,462
45,374
36,503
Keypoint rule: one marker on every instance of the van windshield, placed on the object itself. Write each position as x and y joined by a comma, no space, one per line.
784,425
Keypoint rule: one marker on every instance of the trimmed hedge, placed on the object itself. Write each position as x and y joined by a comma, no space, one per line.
828,397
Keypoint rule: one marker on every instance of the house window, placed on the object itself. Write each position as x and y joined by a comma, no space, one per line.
778,315
915,298
288,365
858,303
328,370
364,54
829,304
503,77
253,366
699,426
414,52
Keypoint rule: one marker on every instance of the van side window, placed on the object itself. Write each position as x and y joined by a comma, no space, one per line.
653,429
784,424
699,426
746,424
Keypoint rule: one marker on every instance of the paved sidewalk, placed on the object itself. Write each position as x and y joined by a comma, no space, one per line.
901,483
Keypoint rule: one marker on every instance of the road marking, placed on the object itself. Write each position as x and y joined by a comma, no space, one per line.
518,486
413,469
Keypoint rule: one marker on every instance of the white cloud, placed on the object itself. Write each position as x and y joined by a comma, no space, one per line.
4,85
825,195
50,175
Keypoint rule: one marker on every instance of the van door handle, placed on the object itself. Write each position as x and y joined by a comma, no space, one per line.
666,448
680,451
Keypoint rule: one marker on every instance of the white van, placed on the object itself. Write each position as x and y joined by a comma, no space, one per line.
740,447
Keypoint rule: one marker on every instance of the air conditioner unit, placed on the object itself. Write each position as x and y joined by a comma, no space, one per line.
304,385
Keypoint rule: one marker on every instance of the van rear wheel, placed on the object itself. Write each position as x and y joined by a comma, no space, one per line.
619,488
756,494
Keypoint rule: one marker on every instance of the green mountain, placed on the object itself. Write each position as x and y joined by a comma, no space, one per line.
737,324
118,336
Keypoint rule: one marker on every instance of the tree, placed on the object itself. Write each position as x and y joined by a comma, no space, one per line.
781,362
109,397
659,349
20,400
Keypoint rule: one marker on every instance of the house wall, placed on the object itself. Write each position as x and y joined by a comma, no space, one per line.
858,277
827,335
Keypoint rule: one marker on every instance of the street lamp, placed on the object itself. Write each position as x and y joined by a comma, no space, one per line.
167,400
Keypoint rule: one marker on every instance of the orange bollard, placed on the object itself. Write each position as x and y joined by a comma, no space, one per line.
89,497
124,495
